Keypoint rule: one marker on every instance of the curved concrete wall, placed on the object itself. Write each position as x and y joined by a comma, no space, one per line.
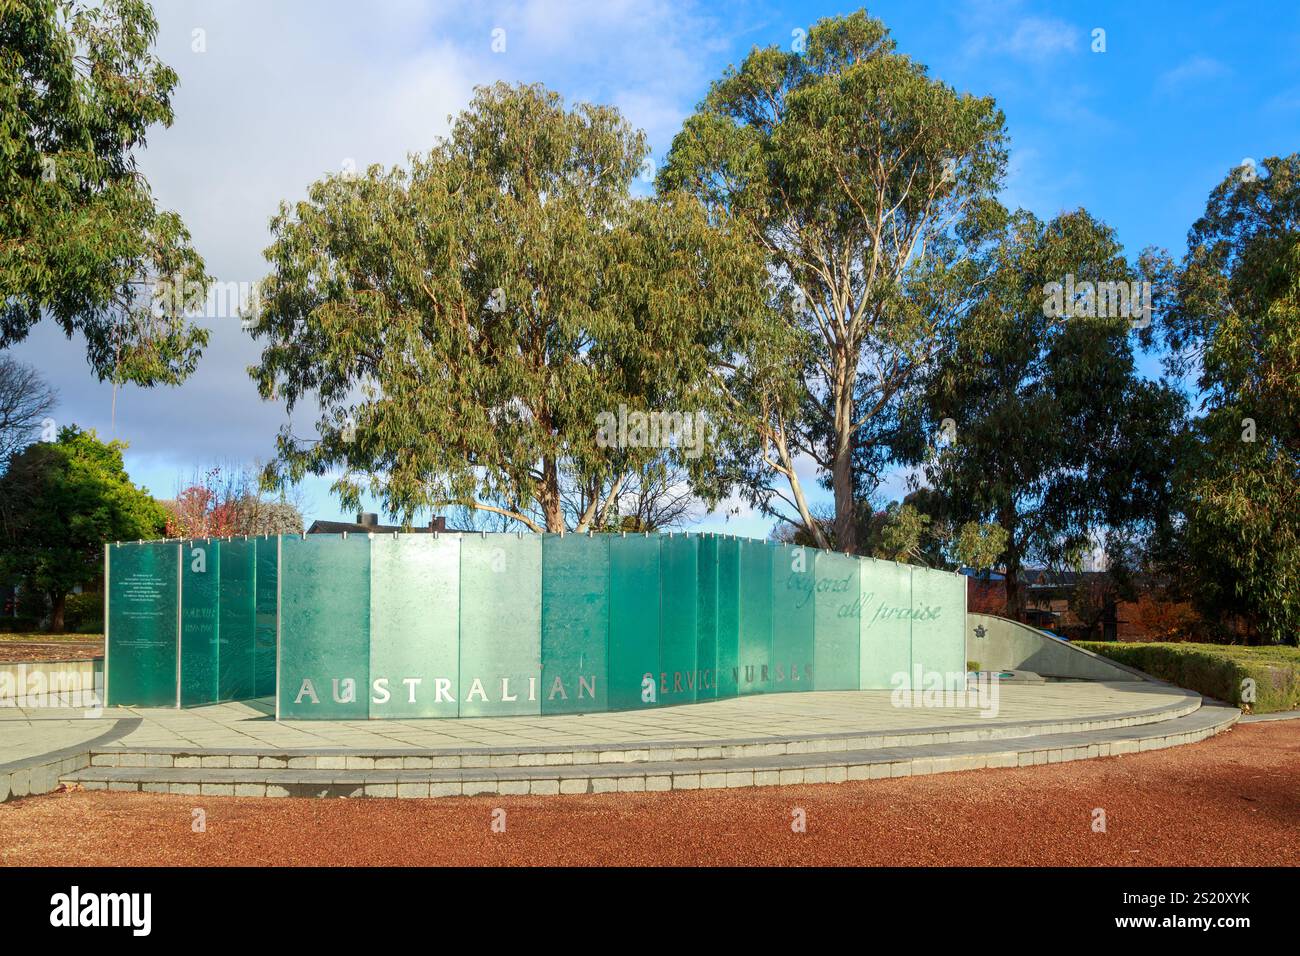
998,643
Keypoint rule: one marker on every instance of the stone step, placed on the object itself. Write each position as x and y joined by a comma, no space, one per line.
736,771
617,753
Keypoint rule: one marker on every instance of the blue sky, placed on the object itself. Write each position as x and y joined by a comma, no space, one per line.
274,95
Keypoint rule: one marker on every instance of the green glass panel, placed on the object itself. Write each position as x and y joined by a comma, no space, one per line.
268,600
706,620
835,654
500,625
324,627
143,624
238,615
886,627
794,619
200,624
633,620
678,627
575,623
754,652
938,627
728,656
414,625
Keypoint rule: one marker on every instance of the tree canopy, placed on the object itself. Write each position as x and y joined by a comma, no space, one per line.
1233,318
472,323
60,502
82,242
1035,419
868,186
25,402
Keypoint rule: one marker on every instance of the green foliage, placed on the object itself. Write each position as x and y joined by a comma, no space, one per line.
19,625
81,240
912,535
980,545
60,503
1037,422
84,613
1233,311
465,322
900,538
1217,670
867,185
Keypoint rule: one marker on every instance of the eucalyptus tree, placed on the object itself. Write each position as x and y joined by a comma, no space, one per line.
868,186
1036,421
1232,318
82,241
479,327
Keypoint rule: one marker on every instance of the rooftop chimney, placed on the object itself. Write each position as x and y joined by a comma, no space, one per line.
368,518
438,524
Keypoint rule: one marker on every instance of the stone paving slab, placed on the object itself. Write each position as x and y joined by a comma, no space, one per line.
665,775
588,754
244,736
250,726
1280,715
44,756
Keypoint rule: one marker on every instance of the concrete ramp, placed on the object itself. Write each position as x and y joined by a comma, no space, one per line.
1000,644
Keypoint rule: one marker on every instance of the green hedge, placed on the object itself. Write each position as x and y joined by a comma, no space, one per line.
1217,670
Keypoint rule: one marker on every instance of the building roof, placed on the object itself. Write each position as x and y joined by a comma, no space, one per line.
373,526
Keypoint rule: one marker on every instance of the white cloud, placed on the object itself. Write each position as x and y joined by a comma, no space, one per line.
284,93
1196,69
1034,39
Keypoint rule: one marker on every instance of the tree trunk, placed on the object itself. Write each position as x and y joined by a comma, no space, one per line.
549,496
846,528
1015,593
57,603
796,490
846,537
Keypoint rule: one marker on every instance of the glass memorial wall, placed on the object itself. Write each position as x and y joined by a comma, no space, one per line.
190,621
466,625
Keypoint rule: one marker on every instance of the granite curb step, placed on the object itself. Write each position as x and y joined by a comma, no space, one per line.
42,773
409,758
745,771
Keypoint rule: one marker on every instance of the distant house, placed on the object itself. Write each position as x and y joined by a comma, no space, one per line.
368,522
1047,596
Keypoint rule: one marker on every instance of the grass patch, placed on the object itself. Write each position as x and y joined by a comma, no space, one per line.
1231,672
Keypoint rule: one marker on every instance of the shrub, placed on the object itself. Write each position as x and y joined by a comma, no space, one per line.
84,613
1217,670
19,625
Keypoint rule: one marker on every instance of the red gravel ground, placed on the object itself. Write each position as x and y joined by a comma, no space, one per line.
1232,800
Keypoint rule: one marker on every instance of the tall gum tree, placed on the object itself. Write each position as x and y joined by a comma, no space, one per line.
868,186
463,322
82,242
1231,316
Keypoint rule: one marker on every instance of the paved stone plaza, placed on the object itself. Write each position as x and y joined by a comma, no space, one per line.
251,724
239,749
